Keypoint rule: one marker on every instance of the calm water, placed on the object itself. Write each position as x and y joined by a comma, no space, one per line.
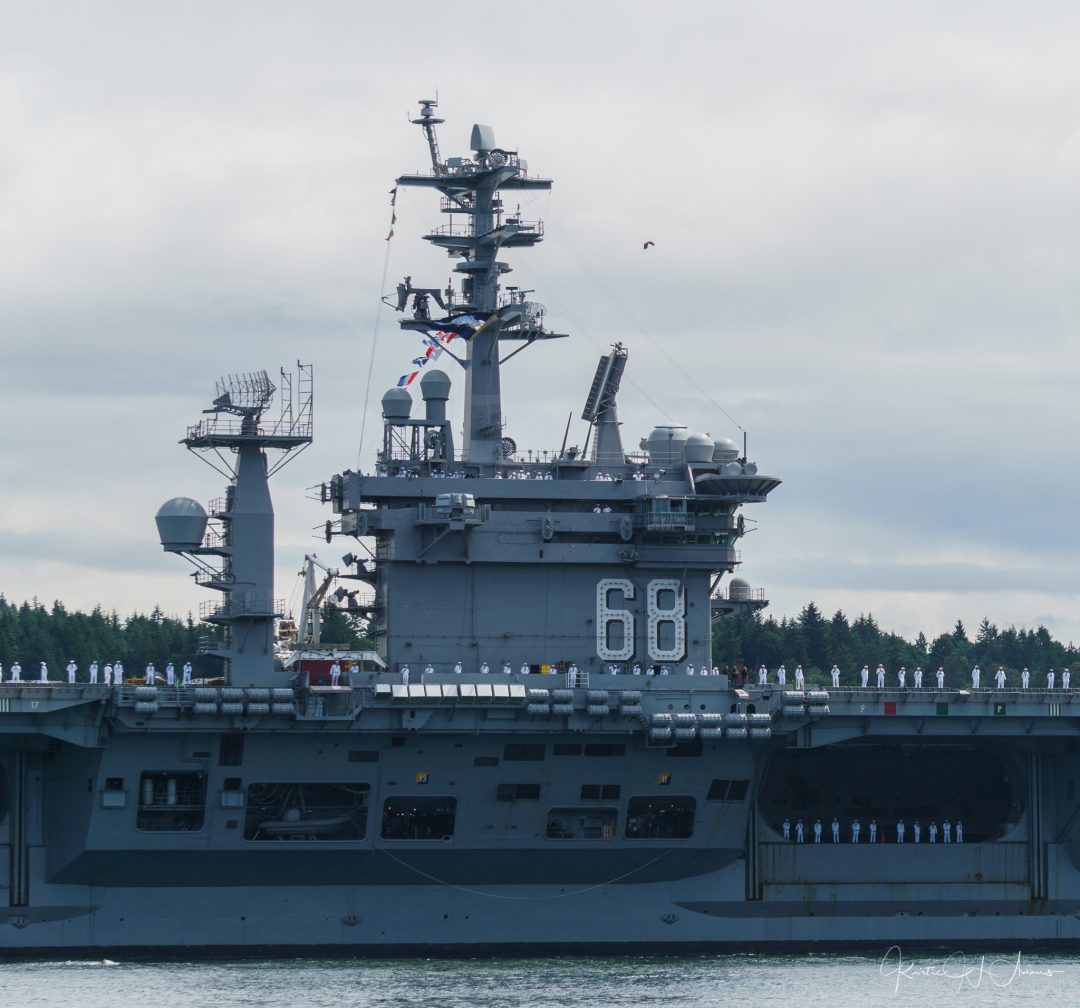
928,978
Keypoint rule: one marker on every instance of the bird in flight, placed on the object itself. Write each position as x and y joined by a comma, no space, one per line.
647,244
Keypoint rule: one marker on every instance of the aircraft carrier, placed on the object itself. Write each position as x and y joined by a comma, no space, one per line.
524,760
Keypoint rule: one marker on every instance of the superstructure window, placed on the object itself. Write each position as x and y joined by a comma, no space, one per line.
419,818
171,802
231,750
517,792
567,749
600,792
581,824
308,811
605,749
660,817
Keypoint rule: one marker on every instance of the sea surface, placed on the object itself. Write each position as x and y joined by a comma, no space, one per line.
798,981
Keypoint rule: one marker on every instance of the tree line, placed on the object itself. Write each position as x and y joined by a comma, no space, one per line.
31,634
816,643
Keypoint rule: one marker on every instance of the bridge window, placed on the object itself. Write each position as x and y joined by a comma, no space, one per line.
171,802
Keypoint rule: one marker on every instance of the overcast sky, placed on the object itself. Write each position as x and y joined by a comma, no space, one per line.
867,238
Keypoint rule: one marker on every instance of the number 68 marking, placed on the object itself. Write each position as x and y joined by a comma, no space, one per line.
608,649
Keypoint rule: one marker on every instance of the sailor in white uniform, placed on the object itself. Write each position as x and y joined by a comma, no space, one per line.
187,673
918,677
900,831
933,831
781,675
93,673
571,675
507,670
689,668
485,669
787,829
881,677
457,668
864,676
800,832
72,668
1,672
855,828
151,675
170,675
940,678
800,679
917,831
946,832
716,670
664,670
1066,675
817,831
107,674
975,673
873,831
999,678
1025,679
44,676
335,675
1050,679
404,675
16,672
118,673
901,677
429,669
835,830
637,669
959,831
525,668
835,677
762,675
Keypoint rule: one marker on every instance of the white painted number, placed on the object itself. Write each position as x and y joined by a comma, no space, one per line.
605,617
666,636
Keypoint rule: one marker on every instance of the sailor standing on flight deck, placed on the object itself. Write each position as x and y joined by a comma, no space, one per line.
835,830
864,676
72,668
118,673
800,679
781,675
457,668
1050,679
855,827
571,675
485,670
946,832
404,675
959,831
881,677
933,831
44,677
762,676
187,673
940,678
525,668
170,675
689,668
335,675
873,831
901,676
999,678
975,673
917,831
636,669
429,669
107,672
506,668
151,675
817,831
787,829
800,832
16,671
836,677
918,677
1025,678
93,673
1066,675
900,831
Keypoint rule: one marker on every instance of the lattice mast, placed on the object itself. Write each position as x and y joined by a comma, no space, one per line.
479,311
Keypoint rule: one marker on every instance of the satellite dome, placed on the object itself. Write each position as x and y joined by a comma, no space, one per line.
665,444
396,404
181,524
725,450
699,448
434,384
738,589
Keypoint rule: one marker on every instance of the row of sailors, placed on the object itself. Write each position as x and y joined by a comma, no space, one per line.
901,676
856,829
514,474
111,674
